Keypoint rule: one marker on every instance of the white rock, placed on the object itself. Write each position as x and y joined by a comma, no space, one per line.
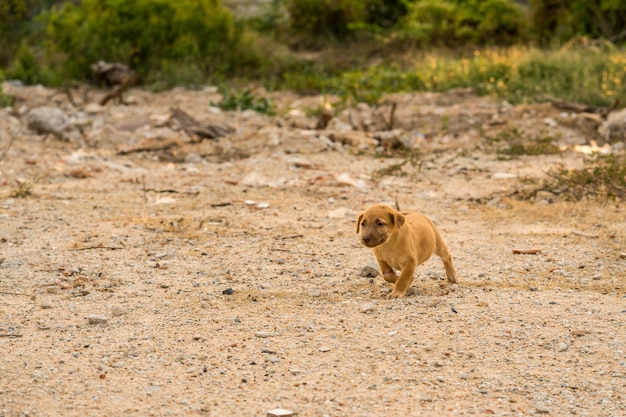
96,319
45,120
365,308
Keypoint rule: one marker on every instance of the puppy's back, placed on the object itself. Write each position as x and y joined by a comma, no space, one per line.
423,233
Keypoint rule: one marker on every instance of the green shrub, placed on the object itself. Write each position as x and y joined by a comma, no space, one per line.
245,100
458,22
12,14
557,21
148,35
315,22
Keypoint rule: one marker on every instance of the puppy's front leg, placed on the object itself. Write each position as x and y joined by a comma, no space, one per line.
404,282
388,272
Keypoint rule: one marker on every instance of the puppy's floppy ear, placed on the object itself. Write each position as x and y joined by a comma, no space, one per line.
358,222
397,218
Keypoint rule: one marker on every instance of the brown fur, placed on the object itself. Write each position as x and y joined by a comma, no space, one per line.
402,241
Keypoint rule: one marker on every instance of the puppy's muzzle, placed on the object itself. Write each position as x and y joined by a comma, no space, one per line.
369,241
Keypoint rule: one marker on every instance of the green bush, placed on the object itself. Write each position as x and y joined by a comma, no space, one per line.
315,22
148,35
12,14
245,100
557,21
458,22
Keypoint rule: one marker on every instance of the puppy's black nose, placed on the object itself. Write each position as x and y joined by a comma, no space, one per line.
366,239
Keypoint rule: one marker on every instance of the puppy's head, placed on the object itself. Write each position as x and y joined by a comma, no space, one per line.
377,224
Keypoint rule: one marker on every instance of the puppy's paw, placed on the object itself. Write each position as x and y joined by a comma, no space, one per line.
396,294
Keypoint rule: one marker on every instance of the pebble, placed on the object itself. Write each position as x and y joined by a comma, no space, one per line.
279,412
365,308
96,319
53,289
562,347
315,293
542,410
117,311
265,285
45,304
263,335
368,272
324,349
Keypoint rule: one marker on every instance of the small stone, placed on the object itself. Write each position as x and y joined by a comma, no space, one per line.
623,255
324,349
365,308
340,213
368,272
96,319
262,334
315,293
265,285
53,289
117,311
503,176
45,304
228,291
542,409
562,347
279,412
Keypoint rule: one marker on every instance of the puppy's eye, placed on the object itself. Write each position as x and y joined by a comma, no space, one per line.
380,224
363,223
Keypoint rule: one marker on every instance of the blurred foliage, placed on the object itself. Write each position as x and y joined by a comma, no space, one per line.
316,22
380,46
245,99
147,35
463,22
17,20
557,21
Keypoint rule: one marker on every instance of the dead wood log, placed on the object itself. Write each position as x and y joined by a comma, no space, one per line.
195,128
580,107
117,93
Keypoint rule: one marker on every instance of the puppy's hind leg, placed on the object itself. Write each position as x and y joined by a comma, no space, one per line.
442,251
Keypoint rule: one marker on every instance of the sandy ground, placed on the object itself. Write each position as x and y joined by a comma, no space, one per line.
223,278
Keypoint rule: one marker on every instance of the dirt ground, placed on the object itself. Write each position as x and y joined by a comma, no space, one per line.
144,272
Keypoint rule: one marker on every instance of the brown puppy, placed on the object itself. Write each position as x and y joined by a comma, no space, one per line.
402,241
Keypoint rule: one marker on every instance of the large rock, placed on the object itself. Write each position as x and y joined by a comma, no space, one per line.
614,129
46,120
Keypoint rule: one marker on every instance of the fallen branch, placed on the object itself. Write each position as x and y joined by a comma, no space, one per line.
13,293
531,251
157,144
579,107
172,191
118,92
98,247
195,128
